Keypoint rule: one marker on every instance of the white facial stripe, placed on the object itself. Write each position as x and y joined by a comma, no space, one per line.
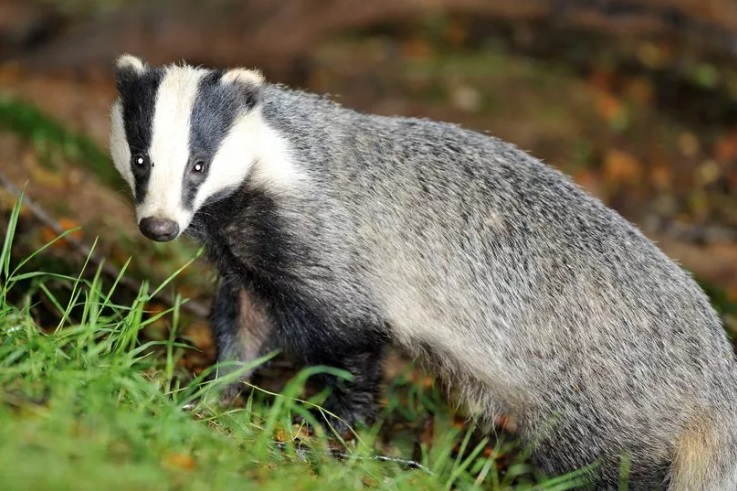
119,149
274,167
251,147
234,157
169,150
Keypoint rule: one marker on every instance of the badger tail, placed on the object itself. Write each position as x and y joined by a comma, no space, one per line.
706,456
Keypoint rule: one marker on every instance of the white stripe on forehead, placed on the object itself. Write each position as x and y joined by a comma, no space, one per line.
169,149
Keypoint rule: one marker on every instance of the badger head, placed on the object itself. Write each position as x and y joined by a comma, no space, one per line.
182,137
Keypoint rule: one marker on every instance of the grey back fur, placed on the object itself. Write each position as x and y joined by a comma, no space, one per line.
535,299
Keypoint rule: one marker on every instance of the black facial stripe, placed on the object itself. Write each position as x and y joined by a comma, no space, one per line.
192,181
215,109
138,97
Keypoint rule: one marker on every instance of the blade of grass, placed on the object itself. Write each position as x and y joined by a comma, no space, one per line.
8,242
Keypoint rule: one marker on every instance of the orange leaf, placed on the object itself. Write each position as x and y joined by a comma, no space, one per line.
47,178
602,79
661,176
280,435
47,234
455,33
427,435
640,90
725,148
68,224
620,166
200,335
688,144
155,308
301,431
179,461
417,49
459,422
608,106
732,293
590,181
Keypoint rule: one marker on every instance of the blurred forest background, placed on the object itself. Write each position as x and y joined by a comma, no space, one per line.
636,99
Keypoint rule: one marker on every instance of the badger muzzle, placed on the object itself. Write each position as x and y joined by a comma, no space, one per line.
159,229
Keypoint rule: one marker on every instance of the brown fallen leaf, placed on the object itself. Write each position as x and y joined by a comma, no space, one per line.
725,148
621,167
602,79
48,234
689,144
159,329
590,181
179,461
608,106
416,49
200,335
47,178
640,90
733,294
661,177
456,33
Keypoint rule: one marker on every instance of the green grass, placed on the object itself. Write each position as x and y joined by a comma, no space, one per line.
87,405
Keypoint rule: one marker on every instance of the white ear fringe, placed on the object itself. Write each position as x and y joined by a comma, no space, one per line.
243,76
130,61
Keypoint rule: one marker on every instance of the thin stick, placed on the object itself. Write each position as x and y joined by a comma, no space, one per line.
192,307
303,451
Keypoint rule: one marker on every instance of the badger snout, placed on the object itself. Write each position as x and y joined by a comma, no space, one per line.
160,229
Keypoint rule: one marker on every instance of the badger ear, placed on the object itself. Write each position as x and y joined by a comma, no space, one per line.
243,76
249,82
127,69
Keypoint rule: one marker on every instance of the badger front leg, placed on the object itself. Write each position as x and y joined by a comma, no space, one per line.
244,330
356,350
242,333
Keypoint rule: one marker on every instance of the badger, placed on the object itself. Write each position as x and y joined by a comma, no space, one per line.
336,234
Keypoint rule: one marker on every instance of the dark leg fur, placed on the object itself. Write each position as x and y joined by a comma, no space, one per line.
315,338
300,291
352,401
242,333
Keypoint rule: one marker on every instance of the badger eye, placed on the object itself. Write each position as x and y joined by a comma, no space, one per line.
140,161
198,166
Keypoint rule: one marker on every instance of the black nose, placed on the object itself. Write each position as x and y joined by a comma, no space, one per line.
161,229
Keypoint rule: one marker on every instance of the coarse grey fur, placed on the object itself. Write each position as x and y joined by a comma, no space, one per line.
540,302
533,298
